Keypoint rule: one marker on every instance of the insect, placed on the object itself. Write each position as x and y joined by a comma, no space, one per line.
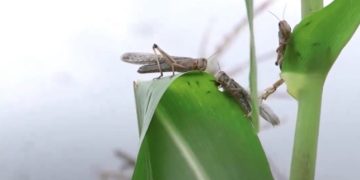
243,97
164,62
235,90
284,36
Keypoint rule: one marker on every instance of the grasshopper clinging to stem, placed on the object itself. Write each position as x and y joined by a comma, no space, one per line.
284,36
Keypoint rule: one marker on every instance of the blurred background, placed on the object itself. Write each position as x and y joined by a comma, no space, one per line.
66,98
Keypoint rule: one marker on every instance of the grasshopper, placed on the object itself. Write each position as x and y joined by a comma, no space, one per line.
284,36
164,62
243,97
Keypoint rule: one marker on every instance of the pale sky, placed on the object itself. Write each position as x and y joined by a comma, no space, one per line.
66,99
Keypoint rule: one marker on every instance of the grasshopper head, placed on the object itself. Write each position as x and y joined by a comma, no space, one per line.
284,29
201,64
221,77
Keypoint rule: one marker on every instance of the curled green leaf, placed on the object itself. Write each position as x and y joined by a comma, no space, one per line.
195,132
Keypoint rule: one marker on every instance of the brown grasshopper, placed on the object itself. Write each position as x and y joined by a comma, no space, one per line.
164,62
235,90
284,36
243,97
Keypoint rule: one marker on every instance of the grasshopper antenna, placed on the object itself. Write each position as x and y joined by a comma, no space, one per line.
283,13
274,15
213,56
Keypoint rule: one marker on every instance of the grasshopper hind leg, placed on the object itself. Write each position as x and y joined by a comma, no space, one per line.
272,89
169,60
157,62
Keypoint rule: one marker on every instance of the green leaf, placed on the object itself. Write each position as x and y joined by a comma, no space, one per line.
195,132
317,41
253,66
147,96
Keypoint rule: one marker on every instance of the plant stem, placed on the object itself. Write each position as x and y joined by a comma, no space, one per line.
307,130
309,6
308,120
253,68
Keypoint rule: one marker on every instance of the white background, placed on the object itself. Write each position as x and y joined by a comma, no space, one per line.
66,98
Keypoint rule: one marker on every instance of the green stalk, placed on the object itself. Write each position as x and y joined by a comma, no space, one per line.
253,68
307,130
308,117
309,6
312,49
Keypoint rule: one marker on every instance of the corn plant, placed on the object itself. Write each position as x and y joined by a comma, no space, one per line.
191,130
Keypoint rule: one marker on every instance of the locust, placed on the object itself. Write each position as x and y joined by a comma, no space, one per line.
284,36
242,97
163,62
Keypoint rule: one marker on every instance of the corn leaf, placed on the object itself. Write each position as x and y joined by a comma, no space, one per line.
191,130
